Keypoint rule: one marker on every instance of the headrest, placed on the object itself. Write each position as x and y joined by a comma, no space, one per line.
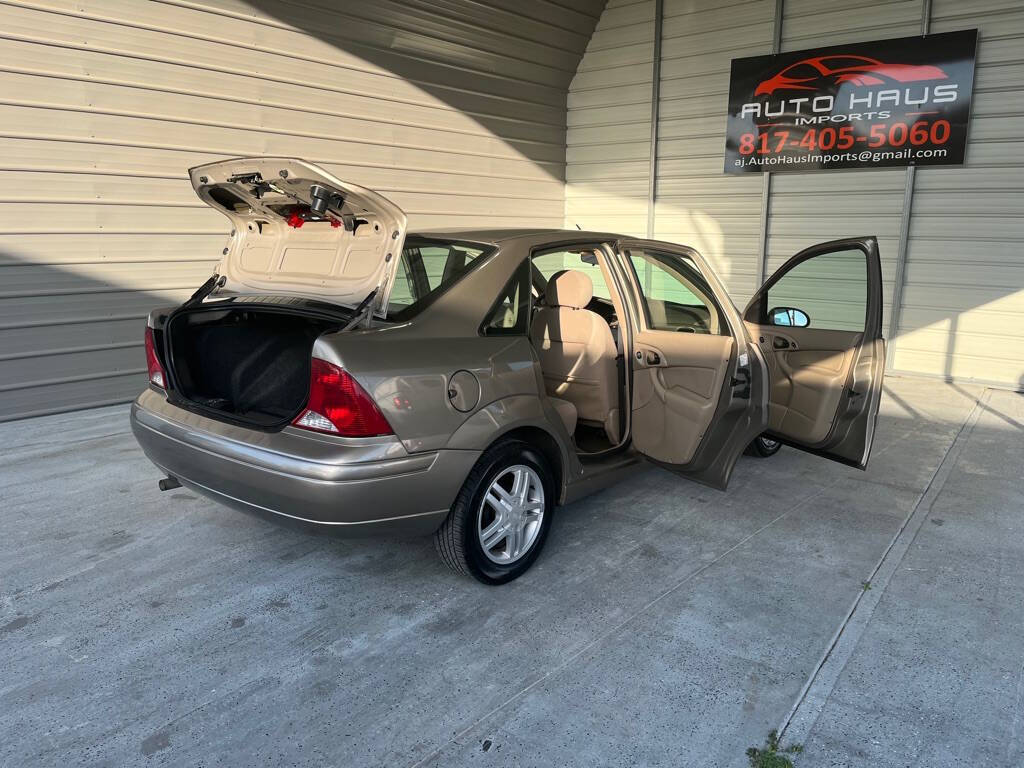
569,288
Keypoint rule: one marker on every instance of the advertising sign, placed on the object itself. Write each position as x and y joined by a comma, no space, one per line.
865,105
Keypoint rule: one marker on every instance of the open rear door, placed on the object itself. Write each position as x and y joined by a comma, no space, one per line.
818,321
699,393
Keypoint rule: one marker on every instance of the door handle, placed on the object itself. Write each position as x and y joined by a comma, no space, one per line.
653,358
780,343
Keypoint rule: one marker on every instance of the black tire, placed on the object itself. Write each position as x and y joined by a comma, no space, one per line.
763,447
457,539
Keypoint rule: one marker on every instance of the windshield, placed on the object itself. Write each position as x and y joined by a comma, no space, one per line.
428,267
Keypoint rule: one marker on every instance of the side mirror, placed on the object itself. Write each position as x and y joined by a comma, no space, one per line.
788,316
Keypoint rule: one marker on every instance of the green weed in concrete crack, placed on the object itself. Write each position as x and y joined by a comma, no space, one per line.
773,755
865,585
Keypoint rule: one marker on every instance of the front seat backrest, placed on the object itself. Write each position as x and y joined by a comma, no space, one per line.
577,351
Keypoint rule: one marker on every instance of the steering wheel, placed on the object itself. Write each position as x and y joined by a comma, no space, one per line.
697,320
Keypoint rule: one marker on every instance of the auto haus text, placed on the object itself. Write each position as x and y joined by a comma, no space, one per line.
874,105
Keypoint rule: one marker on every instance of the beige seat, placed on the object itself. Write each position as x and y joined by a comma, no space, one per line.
577,352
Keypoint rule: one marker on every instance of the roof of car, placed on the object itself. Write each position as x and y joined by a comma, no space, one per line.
499,235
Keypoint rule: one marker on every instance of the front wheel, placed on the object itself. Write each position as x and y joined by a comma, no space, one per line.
500,519
763,447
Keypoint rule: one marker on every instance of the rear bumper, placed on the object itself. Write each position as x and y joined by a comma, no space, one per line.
347,487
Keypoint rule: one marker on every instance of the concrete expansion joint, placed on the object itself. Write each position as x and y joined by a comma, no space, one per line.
797,724
461,736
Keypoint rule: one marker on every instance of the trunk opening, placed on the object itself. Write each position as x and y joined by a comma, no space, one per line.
244,364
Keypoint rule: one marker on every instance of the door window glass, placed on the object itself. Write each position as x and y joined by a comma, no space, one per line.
676,296
827,291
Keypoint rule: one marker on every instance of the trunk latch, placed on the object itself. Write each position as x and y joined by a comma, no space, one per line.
245,178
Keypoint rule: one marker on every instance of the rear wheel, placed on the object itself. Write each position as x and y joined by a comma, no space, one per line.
500,519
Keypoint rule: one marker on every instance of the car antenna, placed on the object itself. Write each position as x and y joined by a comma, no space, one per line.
361,311
578,227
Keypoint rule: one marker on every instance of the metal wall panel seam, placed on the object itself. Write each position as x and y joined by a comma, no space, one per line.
151,203
895,305
238,99
68,350
70,379
766,181
659,20
324,86
263,130
10,165
311,158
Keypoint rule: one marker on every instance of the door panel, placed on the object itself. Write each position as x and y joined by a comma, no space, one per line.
808,369
677,379
699,385
825,377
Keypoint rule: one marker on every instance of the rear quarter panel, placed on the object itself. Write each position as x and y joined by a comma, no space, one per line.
408,368
408,376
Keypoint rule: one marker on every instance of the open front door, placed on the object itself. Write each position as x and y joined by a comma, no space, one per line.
818,321
699,393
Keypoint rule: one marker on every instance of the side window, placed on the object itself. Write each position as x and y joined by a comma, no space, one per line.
441,262
581,261
410,280
676,296
509,315
426,269
827,291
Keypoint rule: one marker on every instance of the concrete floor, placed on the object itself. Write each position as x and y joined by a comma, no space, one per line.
665,624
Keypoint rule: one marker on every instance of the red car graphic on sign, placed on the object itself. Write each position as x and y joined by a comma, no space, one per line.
812,74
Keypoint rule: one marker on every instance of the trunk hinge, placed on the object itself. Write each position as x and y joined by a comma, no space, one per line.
216,281
364,309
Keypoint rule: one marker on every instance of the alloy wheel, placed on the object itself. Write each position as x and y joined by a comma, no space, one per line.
510,516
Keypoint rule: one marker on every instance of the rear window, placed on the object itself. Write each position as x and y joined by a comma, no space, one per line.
427,268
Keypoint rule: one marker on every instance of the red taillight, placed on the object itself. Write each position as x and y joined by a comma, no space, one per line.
339,406
156,371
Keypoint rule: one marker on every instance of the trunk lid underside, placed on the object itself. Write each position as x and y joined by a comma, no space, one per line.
299,231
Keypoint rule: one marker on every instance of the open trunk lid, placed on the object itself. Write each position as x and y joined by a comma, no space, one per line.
299,231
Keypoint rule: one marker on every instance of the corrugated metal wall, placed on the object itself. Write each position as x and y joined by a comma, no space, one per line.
454,109
963,301
962,312
609,119
813,207
696,203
